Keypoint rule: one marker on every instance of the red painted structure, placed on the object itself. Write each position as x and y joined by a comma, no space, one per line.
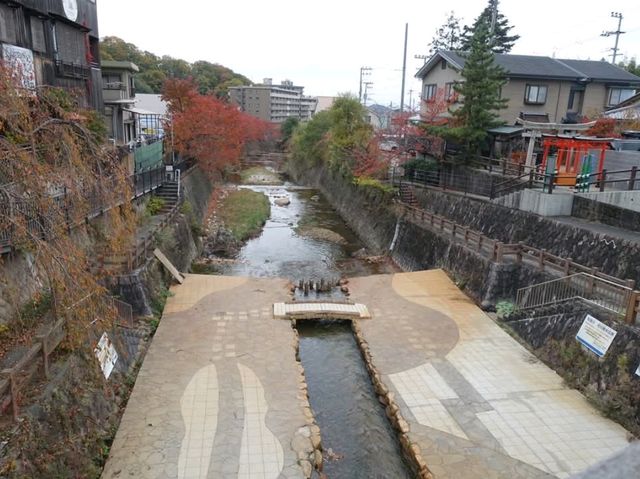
570,151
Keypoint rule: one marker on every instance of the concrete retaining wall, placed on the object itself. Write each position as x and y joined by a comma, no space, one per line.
629,200
611,382
588,209
544,204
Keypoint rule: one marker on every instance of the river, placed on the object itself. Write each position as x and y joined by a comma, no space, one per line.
358,440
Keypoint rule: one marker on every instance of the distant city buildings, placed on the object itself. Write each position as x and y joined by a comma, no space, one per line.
274,103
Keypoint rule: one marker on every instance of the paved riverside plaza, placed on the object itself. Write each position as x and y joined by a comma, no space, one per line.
218,394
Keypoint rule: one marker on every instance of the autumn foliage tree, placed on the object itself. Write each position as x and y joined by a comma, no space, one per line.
207,129
55,172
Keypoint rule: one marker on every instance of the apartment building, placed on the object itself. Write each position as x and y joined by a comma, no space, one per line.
274,103
54,42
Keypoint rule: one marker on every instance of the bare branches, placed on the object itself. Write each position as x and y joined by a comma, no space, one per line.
58,172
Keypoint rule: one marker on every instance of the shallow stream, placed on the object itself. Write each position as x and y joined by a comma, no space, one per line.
308,240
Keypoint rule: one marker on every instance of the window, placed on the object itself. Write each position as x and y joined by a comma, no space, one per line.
112,81
8,24
443,64
429,92
617,95
450,94
71,44
535,94
38,41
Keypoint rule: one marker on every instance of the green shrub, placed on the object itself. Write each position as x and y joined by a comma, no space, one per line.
367,182
504,309
419,164
154,205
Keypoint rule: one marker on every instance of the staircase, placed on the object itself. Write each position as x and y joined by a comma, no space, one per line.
407,196
169,192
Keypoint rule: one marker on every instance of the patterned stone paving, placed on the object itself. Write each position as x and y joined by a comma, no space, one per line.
478,404
218,394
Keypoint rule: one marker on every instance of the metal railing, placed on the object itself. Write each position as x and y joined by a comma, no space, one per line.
609,180
465,180
68,209
614,297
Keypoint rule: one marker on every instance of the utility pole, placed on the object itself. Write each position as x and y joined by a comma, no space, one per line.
363,72
367,85
617,33
404,66
411,100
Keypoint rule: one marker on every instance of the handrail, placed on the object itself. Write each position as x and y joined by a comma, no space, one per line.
612,296
141,183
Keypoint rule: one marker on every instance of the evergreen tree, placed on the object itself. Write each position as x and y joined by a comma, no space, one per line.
632,67
448,36
480,93
501,41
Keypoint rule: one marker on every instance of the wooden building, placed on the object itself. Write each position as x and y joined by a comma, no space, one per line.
54,42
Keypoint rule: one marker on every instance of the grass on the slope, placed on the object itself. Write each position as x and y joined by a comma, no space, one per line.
244,212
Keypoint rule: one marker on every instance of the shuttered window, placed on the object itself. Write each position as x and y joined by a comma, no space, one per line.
38,40
70,44
8,24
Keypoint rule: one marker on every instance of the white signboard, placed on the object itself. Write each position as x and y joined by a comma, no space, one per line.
21,61
106,354
638,371
595,335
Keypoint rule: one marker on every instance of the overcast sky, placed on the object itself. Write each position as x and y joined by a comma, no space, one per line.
322,44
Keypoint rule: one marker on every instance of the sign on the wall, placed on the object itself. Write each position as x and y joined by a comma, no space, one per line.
106,354
638,371
70,9
21,61
595,335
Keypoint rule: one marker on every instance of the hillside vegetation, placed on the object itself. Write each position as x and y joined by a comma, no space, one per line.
154,70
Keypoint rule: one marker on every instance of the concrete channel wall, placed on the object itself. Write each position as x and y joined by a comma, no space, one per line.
374,217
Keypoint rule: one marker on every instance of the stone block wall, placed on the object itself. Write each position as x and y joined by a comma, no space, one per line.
367,211
611,382
613,256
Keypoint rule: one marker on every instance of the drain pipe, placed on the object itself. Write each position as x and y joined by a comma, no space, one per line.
395,236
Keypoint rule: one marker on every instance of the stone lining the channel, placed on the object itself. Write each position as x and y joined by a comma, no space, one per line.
411,450
307,442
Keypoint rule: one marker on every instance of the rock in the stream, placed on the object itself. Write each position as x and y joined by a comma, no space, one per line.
282,201
322,234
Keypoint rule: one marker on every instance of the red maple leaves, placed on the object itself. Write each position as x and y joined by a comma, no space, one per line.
208,129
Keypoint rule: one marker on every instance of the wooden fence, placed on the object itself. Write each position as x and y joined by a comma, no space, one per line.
518,252
15,379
